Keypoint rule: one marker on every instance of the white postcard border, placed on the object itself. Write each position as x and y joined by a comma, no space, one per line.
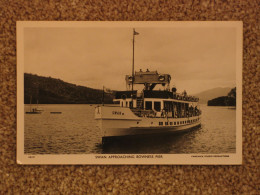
128,159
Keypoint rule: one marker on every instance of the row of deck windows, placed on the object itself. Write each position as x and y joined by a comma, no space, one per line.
179,122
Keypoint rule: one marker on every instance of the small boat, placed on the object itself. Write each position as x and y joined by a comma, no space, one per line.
149,111
55,112
33,110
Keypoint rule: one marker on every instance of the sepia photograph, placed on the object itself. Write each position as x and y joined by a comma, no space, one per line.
129,92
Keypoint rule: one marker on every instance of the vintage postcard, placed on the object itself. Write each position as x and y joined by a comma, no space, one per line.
129,93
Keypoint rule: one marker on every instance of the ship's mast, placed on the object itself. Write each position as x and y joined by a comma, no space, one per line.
133,64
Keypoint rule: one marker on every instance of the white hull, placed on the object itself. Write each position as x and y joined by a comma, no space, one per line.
119,121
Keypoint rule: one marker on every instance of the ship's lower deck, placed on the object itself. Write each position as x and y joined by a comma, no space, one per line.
115,122
123,128
154,134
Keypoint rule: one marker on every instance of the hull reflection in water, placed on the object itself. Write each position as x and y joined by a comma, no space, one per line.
146,144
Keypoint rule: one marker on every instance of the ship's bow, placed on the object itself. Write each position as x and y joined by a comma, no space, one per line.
115,121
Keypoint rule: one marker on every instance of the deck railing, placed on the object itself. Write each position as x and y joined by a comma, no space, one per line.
156,94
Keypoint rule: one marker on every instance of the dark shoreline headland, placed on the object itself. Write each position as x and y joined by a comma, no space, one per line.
229,100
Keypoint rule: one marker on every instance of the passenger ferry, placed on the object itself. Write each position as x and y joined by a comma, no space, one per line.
148,111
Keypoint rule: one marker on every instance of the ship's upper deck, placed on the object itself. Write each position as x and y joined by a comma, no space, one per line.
157,95
150,79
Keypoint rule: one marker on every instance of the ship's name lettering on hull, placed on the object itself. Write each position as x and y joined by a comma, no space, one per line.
117,113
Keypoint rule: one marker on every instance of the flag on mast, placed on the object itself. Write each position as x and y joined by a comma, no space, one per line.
136,33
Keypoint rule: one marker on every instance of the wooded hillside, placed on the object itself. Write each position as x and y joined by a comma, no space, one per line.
47,90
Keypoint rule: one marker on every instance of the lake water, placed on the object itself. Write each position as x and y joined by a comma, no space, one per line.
75,131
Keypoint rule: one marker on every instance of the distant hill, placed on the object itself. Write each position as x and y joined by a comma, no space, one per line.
228,100
207,95
222,101
47,90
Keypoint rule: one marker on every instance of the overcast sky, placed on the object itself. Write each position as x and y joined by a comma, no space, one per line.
197,58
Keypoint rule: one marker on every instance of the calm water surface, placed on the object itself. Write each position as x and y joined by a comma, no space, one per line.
75,132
